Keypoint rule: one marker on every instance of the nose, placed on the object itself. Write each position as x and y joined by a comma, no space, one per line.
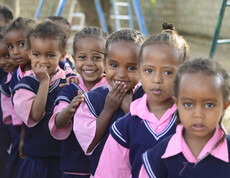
198,112
15,50
43,60
122,73
89,62
157,78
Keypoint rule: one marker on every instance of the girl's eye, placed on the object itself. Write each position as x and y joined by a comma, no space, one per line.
82,57
114,65
132,68
188,105
7,56
209,105
167,72
96,58
148,71
21,44
10,47
50,55
36,54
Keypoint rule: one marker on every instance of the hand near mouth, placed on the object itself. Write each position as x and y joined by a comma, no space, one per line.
40,72
115,97
127,100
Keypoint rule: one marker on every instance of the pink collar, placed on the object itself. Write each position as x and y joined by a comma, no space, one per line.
9,76
177,145
139,108
81,84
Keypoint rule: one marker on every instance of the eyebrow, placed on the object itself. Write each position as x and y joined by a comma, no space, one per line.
97,51
206,100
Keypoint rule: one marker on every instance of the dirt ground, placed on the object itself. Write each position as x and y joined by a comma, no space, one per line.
201,48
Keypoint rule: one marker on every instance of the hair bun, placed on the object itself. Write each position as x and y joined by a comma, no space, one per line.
168,26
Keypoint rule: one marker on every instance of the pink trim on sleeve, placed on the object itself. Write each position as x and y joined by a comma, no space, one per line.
59,133
84,126
23,100
114,161
5,104
143,173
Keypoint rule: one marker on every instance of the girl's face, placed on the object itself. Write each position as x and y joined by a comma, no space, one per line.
6,63
121,64
88,62
45,52
157,70
16,42
200,104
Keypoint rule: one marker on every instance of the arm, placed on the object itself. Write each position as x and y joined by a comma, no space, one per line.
63,118
112,103
126,102
21,143
114,160
39,103
5,104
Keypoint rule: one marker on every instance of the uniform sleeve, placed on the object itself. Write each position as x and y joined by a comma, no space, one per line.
84,126
23,100
5,104
143,173
59,133
114,161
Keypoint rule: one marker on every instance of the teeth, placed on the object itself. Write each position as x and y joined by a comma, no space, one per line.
88,71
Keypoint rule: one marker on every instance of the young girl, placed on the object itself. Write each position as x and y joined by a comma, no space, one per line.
34,96
199,148
151,117
7,132
105,104
88,48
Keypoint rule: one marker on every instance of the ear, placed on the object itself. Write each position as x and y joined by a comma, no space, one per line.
62,56
175,100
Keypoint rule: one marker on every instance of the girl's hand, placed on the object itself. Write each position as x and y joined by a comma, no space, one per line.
115,97
127,100
69,80
75,102
20,150
40,72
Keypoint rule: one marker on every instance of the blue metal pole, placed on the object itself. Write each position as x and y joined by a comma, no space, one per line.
60,7
130,15
140,18
101,15
38,12
217,31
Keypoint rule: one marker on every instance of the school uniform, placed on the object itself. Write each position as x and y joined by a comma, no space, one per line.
10,117
74,163
173,158
6,132
85,120
42,151
132,135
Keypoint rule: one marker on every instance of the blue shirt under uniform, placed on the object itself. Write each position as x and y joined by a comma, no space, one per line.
95,100
178,166
73,159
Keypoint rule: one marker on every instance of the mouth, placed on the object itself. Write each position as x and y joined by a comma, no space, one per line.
18,60
115,82
198,127
157,91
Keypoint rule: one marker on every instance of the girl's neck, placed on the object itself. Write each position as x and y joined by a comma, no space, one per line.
196,144
159,108
90,85
26,67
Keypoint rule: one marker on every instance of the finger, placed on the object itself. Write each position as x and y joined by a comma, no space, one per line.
120,89
62,85
114,88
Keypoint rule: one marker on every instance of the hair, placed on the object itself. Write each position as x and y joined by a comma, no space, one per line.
169,37
21,23
87,32
59,19
50,30
7,13
128,35
2,35
209,68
